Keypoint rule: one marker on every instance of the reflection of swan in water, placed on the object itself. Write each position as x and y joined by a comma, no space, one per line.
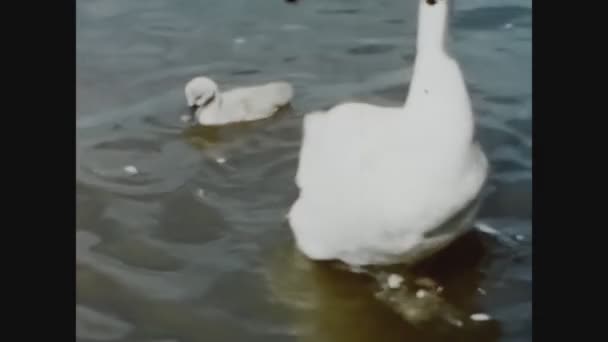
216,141
330,304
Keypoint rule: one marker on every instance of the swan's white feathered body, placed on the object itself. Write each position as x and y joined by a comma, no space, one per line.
376,183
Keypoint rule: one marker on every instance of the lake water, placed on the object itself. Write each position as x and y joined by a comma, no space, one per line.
194,247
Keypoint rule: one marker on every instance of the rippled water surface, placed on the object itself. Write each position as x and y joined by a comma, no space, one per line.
192,249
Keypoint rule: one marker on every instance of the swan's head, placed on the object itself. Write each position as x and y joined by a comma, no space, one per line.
200,92
203,97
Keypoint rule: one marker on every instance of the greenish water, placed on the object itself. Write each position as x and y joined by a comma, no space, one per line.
190,249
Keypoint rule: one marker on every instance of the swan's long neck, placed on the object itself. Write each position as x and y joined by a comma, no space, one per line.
438,96
433,26
433,77
212,114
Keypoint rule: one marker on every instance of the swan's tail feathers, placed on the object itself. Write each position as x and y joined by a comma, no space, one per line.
457,224
283,92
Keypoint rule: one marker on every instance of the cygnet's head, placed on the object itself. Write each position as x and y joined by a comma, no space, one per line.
202,95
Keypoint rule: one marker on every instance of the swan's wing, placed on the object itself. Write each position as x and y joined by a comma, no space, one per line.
313,138
278,93
333,142
460,218
258,102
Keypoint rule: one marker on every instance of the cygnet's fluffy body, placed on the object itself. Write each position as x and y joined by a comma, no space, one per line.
212,107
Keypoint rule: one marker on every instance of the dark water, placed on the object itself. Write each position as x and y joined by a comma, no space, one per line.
190,249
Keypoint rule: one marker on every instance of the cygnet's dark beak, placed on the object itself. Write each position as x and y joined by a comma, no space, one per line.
193,109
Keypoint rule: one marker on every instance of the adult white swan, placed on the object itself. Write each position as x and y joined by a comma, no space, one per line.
377,182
